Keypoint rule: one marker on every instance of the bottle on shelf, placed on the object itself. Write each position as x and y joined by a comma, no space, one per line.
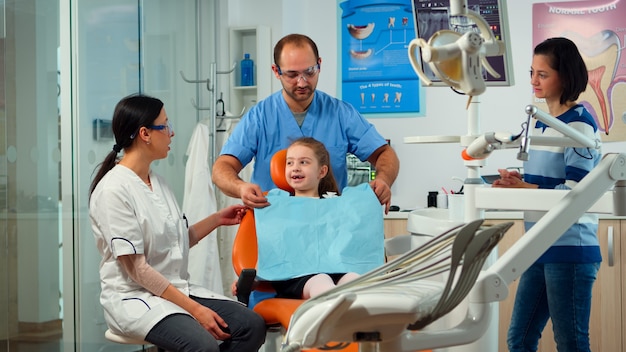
247,71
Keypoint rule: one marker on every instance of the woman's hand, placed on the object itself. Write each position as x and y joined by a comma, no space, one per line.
212,322
232,215
209,320
511,179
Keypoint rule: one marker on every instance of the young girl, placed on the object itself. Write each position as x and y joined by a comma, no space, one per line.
308,172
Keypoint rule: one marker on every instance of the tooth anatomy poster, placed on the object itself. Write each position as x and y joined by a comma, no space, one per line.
377,77
598,29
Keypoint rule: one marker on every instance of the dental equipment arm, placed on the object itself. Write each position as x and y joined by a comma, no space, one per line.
573,138
395,298
611,171
482,146
562,127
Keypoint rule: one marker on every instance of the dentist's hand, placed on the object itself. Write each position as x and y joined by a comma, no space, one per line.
252,196
383,192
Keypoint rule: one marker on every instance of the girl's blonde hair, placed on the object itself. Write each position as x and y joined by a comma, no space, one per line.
328,182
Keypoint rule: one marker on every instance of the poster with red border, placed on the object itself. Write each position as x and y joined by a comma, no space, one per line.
599,30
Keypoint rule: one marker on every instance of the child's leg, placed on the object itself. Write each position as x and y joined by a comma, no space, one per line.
321,283
317,285
347,278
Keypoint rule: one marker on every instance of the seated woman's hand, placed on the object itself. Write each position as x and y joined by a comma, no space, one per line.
212,322
232,215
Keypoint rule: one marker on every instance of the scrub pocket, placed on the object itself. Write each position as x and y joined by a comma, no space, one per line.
135,307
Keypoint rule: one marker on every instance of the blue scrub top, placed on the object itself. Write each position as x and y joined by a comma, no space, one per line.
270,126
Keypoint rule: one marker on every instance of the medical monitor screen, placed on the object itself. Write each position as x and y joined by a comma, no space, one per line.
433,16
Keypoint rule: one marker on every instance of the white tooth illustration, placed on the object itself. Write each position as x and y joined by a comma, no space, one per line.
386,98
373,97
391,22
362,98
601,53
361,54
361,32
398,97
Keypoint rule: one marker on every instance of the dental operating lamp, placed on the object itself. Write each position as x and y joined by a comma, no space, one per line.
458,59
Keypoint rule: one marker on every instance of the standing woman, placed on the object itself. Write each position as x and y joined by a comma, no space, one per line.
558,285
144,241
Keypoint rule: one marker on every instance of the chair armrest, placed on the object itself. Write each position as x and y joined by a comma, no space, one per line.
244,285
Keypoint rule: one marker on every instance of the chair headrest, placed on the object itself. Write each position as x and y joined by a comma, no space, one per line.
277,170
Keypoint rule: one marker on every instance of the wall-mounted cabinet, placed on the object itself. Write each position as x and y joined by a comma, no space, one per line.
255,41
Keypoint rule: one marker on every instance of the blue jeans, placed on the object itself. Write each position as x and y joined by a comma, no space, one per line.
560,291
181,332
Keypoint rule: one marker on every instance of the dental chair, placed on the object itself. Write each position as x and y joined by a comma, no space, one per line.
276,312
378,308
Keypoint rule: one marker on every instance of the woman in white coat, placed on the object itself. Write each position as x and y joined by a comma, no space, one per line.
144,241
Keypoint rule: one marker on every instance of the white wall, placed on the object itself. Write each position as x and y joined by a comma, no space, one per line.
423,167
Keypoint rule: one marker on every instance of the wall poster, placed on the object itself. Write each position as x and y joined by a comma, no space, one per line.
377,76
598,29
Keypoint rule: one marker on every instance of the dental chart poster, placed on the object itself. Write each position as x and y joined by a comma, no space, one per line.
599,31
377,76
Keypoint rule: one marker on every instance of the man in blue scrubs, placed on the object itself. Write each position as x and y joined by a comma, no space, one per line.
295,111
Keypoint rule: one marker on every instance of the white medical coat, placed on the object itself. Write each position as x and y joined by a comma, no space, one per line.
128,218
198,203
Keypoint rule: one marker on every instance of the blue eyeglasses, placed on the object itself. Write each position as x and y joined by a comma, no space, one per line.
296,75
167,126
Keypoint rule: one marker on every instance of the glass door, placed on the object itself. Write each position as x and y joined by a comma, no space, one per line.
63,66
31,310
125,47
